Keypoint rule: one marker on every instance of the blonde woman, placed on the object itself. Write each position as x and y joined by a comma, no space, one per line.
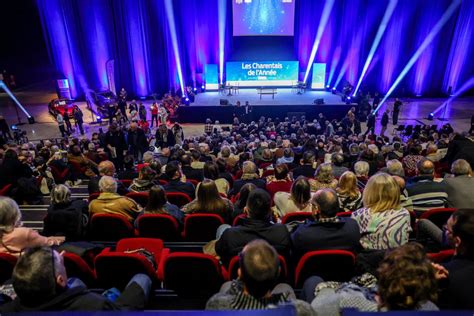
383,223
323,178
348,194
13,237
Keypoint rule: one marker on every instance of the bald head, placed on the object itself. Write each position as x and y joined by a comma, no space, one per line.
425,167
326,200
106,168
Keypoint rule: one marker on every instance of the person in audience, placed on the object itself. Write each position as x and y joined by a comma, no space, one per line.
144,181
459,187
299,200
457,292
41,284
177,183
337,160
188,171
407,280
383,223
242,198
257,285
249,175
361,169
395,168
112,203
76,157
411,160
11,169
257,225
280,181
13,237
424,192
307,166
211,172
208,200
287,158
405,200
196,162
223,173
326,230
348,194
323,178
66,217
158,204
129,172
147,160
106,168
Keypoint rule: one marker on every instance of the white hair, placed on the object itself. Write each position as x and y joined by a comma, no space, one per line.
108,184
361,168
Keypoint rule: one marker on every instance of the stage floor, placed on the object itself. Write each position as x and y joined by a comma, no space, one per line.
284,96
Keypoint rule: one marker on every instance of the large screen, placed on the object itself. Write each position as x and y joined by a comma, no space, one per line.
263,17
262,73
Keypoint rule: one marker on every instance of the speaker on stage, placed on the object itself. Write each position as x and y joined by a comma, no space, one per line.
319,101
224,102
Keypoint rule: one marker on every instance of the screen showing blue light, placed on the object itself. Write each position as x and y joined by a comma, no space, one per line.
319,76
263,17
262,73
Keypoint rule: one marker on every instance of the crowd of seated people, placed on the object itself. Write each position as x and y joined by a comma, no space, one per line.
359,193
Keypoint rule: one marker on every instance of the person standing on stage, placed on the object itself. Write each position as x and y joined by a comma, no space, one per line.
111,111
163,114
154,113
142,112
60,120
67,120
132,106
396,111
78,117
123,95
178,134
370,123
384,121
115,145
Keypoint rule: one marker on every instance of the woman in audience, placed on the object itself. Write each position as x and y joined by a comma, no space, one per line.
348,194
144,181
299,200
76,157
383,223
12,169
208,200
323,178
241,202
211,171
158,204
13,237
280,181
66,217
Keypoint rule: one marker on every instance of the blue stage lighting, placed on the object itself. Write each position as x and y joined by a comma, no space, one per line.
466,86
195,89
436,29
203,87
221,6
174,40
10,94
322,25
383,25
328,87
187,99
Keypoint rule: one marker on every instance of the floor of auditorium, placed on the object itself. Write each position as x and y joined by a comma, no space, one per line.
35,99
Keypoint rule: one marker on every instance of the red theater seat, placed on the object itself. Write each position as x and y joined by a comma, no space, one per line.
162,226
76,267
139,197
178,198
296,216
110,227
4,191
201,227
439,216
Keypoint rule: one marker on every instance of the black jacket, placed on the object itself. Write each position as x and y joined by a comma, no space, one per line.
238,184
234,239
69,220
304,170
457,291
137,140
191,173
384,119
178,186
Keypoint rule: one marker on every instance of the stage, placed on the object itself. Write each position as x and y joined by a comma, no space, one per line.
286,102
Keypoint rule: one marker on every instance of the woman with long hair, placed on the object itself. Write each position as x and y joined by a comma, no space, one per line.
144,182
241,202
158,204
298,200
211,171
208,200
383,222
323,178
348,193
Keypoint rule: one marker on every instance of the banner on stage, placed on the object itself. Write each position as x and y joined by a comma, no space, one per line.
262,73
319,76
210,76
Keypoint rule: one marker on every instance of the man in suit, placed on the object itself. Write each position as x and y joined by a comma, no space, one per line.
175,184
384,121
460,187
137,142
306,169
190,172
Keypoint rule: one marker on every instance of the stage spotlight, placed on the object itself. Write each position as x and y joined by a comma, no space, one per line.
348,100
430,116
174,40
186,99
333,90
31,120
434,32
322,25
466,86
195,89
383,25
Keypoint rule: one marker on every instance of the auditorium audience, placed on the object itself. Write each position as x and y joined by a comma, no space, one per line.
188,171
112,203
299,200
106,168
337,165
460,187
307,166
129,172
144,181
280,181
211,172
242,198
158,204
249,175
177,182
323,178
348,194
361,169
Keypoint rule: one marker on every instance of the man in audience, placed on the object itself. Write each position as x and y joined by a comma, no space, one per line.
326,231
395,168
129,172
106,168
188,171
41,284
176,184
258,225
306,169
249,175
460,187
361,169
337,168
110,202
256,287
424,192
137,141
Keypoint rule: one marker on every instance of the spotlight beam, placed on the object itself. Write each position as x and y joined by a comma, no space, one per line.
174,42
10,94
221,17
466,86
378,37
342,72
434,32
322,25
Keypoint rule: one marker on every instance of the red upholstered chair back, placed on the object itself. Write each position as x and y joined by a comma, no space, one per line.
139,197
78,268
344,214
4,191
110,227
93,196
178,198
194,182
201,227
238,219
161,226
153,245
126,182
439,216
442,256
331,265
296,216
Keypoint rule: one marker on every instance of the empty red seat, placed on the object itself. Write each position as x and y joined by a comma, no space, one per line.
7,263
162,226
139,197
192,274
331,265
178,198
201,227
76,267
110,227
234,265
439,216
296,216
442,256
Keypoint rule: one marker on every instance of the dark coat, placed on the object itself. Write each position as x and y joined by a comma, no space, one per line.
69,220
178,186
137,140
